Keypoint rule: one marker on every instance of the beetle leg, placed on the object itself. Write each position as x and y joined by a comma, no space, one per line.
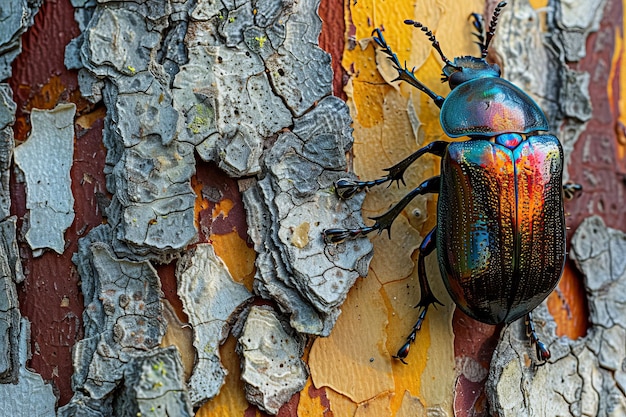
427,297
346,188
543,353
403,352
478,21
403,73
428,245
571,190
383,221
396,172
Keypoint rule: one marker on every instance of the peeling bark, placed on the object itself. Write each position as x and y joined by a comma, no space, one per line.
249,92
179,87
210,297
271,366
21,390
45,160
27,394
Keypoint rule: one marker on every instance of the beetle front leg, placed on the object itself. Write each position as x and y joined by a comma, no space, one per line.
384,221
478,23
403,72
426,295
347,188
543,353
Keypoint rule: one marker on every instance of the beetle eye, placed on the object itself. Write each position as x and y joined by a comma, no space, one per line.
452,74
457,78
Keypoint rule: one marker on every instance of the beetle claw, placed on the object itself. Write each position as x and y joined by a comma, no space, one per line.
571,190
345,188
403,352
335,235
543,353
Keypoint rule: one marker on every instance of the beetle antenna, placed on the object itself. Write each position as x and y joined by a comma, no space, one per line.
432,39
478,23
492,28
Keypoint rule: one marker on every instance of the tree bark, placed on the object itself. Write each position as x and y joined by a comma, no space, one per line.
204,142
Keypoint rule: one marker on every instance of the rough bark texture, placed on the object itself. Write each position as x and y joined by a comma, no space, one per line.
204,141
244,87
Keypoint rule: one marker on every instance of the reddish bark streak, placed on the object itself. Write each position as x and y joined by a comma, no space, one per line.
594,163
473,341
52,280
321,394
332,41
50,297
216,187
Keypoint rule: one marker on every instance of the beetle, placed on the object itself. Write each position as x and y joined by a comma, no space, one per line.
500,233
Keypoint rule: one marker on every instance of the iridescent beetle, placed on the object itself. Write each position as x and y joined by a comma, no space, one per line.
500,233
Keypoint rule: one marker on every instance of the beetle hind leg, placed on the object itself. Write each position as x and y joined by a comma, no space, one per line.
426,295
543,353
384,221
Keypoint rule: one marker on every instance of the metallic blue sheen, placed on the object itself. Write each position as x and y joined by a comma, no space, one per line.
490,106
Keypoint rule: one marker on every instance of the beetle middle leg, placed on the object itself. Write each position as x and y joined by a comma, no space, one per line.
384,221
426,295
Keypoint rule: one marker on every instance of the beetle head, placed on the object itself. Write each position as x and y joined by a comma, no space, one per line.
467,68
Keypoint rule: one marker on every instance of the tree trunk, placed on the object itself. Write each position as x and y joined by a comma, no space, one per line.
168,171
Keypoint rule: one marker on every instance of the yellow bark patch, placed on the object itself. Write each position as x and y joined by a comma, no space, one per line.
618,68
238,257
300,237
180,335
353,360
222,208
538,4
231,401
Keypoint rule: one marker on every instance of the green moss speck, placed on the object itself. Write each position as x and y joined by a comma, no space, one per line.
202,118
261,40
